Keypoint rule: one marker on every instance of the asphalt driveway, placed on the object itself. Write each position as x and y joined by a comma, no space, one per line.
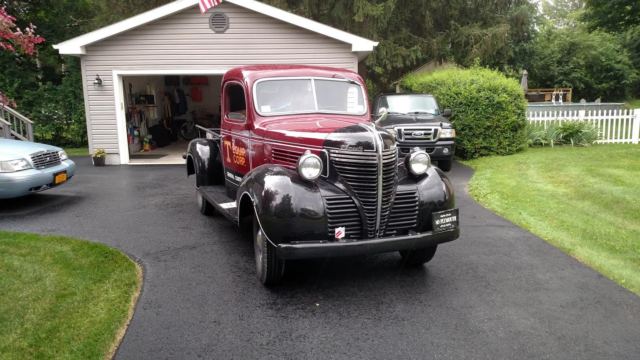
496,293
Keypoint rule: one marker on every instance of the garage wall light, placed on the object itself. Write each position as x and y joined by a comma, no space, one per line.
97,82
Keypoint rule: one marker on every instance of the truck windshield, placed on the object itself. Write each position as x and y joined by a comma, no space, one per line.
409,104
309,95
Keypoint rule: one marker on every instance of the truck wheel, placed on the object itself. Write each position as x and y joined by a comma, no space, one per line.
418,257
269,268
445,165
205,207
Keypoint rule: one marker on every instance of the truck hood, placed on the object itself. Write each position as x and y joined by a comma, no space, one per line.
334,132
394,120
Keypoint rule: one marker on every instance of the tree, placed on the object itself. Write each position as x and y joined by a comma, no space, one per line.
562,13
14,40
613,16
412,33
595,64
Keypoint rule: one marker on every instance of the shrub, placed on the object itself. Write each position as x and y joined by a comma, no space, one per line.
574,133
577,133
488,109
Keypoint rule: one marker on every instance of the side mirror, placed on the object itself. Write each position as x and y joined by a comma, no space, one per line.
447,113
382,115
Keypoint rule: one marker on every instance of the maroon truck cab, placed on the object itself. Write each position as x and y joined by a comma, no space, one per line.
298,162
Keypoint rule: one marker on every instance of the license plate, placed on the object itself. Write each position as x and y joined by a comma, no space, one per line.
445,220
59,178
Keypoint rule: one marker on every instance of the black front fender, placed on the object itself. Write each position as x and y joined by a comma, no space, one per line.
289,208
435,193
203,160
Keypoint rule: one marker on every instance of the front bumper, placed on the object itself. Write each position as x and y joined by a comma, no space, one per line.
22,183
321,249
439,150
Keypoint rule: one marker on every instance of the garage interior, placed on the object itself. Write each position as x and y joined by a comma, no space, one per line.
162,111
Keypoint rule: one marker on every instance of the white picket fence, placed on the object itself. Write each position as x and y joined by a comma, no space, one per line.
614,126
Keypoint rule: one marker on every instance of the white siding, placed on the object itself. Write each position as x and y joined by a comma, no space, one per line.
184,41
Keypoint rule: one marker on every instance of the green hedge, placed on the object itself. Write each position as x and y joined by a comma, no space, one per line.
488,109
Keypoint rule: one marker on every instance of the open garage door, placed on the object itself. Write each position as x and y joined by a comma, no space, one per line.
159,114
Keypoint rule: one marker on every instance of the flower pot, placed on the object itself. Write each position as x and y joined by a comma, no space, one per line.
98,161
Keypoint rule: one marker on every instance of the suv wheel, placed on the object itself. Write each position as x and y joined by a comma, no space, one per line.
445,165
269,267
418,257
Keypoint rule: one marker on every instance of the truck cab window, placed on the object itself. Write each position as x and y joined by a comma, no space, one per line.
236,107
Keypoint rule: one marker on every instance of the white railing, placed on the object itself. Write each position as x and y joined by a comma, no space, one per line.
614,126
14,124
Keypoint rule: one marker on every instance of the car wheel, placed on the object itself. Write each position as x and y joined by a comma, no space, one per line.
269,267
418,257
445,165
205,207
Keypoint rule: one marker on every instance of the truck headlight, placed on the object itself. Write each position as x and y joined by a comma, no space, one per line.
63,155
310,166
14,165
418,162
447,133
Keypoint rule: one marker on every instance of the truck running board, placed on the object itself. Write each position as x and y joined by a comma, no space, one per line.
217,196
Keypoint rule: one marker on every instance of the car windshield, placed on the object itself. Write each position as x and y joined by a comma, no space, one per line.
409,104
309,95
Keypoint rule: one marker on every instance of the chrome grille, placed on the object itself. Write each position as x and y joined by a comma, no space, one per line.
359,172
404,213
45,159
417,134
342,212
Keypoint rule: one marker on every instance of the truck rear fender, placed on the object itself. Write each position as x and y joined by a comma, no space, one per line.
203,160
288,207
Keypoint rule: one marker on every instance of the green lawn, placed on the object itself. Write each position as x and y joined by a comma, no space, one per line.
77,151
633,104
586,201
63,298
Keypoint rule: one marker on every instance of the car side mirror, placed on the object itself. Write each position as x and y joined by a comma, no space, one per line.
447,113
382,116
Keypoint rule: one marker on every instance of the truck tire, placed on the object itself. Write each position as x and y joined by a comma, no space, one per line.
205,207
269,267
418,257
445,165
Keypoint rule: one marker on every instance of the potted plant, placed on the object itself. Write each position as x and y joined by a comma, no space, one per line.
99,157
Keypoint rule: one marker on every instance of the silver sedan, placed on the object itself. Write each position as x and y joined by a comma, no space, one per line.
27,168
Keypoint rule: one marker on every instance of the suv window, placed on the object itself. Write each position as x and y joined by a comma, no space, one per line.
409,104
235,106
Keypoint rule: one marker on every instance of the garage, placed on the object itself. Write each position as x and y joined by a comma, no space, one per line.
149,79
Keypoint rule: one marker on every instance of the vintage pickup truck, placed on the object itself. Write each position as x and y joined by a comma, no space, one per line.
298,163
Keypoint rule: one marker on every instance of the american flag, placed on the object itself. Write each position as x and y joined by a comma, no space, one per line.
205,5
